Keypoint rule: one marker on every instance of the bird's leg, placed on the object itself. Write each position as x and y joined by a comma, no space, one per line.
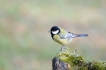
62,48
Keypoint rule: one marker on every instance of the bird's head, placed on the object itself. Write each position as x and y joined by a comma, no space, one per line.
55,30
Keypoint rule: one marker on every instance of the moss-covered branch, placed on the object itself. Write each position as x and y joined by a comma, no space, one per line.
68,59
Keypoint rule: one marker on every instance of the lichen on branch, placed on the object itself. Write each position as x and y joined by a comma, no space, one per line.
77,62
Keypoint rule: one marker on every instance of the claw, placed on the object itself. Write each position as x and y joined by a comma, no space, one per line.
62,48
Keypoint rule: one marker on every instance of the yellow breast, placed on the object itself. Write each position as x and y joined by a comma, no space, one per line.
60,41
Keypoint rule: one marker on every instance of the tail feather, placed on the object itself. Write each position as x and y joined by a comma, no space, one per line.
81,35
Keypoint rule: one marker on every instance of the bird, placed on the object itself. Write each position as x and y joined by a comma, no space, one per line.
62,36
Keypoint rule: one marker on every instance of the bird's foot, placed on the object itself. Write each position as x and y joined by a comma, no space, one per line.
62,48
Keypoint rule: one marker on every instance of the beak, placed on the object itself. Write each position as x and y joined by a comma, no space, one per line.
49,31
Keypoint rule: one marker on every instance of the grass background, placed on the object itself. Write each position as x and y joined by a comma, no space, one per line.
25,43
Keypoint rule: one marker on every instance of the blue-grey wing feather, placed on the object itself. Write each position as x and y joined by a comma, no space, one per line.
68,35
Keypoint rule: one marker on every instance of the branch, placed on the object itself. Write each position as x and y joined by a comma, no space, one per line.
68,59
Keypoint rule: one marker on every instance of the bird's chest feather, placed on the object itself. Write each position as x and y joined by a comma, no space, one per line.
60,41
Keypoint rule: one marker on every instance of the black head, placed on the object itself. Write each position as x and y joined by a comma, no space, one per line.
55,30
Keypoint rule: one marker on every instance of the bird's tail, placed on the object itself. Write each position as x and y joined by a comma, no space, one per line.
81,35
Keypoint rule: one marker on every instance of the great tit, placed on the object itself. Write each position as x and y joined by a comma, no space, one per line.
62,36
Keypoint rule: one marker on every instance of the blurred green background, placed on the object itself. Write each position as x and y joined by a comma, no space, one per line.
25,43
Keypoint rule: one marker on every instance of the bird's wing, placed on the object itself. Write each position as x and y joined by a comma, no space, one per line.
68,35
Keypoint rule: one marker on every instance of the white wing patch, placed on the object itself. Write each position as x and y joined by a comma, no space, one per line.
55,32
66,36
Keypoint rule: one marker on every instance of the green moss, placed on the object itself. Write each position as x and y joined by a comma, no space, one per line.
97,65
77,62
69,56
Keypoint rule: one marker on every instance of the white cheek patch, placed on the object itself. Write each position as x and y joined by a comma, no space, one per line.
55,32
